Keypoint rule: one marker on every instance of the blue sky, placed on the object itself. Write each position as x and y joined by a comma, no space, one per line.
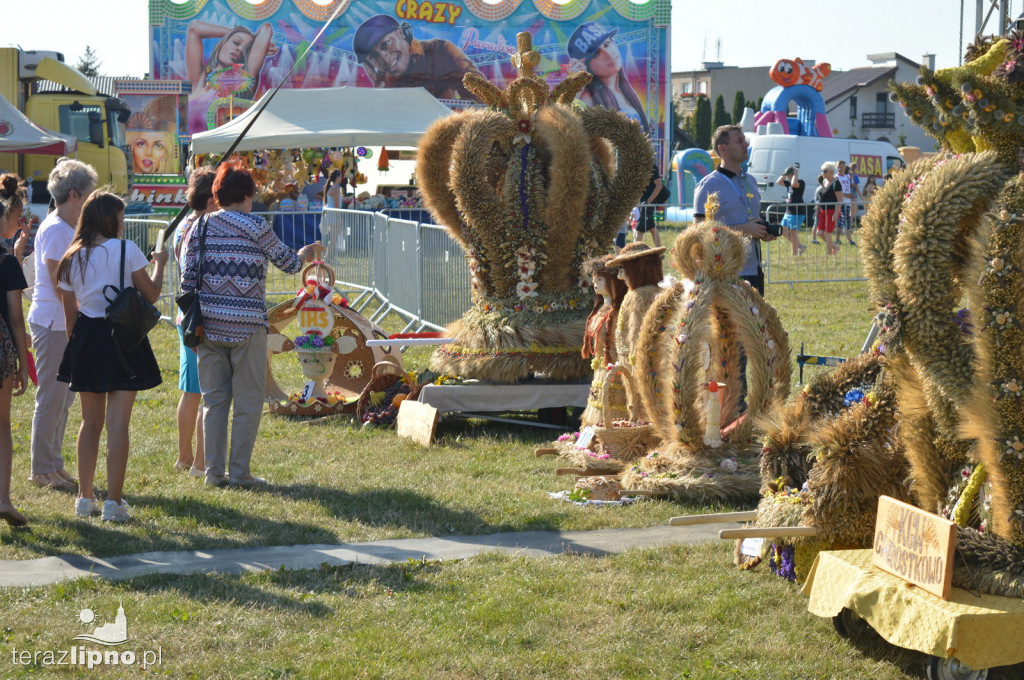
751,33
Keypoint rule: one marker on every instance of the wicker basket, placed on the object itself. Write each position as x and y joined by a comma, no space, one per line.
623,443
379,382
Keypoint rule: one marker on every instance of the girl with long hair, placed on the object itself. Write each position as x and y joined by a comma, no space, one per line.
13,339
235,46
332,190
190,419
592,47
106,376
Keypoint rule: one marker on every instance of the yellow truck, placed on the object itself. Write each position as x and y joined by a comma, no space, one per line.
95,120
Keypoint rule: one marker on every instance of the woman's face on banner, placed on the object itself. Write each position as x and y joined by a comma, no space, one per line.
607,60
235,49
149,151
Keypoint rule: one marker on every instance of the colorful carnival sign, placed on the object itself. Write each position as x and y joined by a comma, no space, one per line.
410,43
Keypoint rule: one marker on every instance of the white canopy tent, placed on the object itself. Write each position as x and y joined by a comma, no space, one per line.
329,117
20,135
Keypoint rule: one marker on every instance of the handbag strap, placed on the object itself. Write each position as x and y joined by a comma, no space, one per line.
120,281
201,235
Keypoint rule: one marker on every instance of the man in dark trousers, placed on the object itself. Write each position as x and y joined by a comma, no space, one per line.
795,212
655,194
739,198
739,210
391,57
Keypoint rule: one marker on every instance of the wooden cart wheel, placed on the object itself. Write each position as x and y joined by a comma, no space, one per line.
951,669
848,624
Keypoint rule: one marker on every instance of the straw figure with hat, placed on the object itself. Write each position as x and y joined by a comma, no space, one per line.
640,267
944,229
619,433
530,188
686,359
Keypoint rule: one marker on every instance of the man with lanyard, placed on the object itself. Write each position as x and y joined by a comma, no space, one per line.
739,198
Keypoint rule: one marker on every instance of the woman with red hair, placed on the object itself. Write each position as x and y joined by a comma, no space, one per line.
236,247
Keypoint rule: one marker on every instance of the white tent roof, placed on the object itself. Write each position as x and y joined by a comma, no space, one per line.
20,135
330,117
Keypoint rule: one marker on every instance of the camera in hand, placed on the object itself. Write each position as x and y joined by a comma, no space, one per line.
772,229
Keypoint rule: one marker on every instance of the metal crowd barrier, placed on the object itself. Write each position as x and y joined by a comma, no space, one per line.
411,269
444,276
417,270
813,264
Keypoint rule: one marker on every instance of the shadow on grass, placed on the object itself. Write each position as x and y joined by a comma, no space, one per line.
384,508
296,590
869,643
93,537
375,508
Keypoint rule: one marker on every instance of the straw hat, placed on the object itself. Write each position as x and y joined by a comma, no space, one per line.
633,251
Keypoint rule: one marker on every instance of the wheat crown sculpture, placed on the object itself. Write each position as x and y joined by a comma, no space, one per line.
530,188
690,337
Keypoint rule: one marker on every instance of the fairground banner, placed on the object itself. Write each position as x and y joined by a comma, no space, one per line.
232,51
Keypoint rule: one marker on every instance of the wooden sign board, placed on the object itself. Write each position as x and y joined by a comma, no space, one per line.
914,545
417,421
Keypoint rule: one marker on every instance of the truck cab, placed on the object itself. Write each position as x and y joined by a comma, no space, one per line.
78,109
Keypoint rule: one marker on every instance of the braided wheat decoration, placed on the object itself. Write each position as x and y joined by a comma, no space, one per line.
530,189
961,230
682,341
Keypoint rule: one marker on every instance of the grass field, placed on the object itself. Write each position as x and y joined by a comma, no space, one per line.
658,613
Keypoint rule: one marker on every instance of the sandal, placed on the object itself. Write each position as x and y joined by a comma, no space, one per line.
181,466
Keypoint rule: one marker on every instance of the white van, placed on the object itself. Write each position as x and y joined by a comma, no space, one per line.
771,154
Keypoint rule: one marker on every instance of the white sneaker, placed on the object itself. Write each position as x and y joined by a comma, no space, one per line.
116,512
84,507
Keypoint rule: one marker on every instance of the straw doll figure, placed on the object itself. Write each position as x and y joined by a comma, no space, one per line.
599,339
640,267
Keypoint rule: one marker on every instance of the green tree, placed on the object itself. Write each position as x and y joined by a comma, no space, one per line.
721,114
89,64
738,104
702,122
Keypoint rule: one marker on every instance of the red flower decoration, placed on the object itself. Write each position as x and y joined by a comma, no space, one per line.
524,125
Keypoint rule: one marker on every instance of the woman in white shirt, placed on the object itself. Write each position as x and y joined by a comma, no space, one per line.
93,364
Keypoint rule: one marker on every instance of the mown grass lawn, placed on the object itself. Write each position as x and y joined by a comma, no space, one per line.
659,613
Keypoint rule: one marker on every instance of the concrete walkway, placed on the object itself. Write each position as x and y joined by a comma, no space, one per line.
49,570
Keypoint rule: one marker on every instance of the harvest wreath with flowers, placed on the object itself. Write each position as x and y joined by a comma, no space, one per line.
331,347
530,188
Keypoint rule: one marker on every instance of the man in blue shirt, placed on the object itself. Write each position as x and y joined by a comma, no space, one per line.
739,198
